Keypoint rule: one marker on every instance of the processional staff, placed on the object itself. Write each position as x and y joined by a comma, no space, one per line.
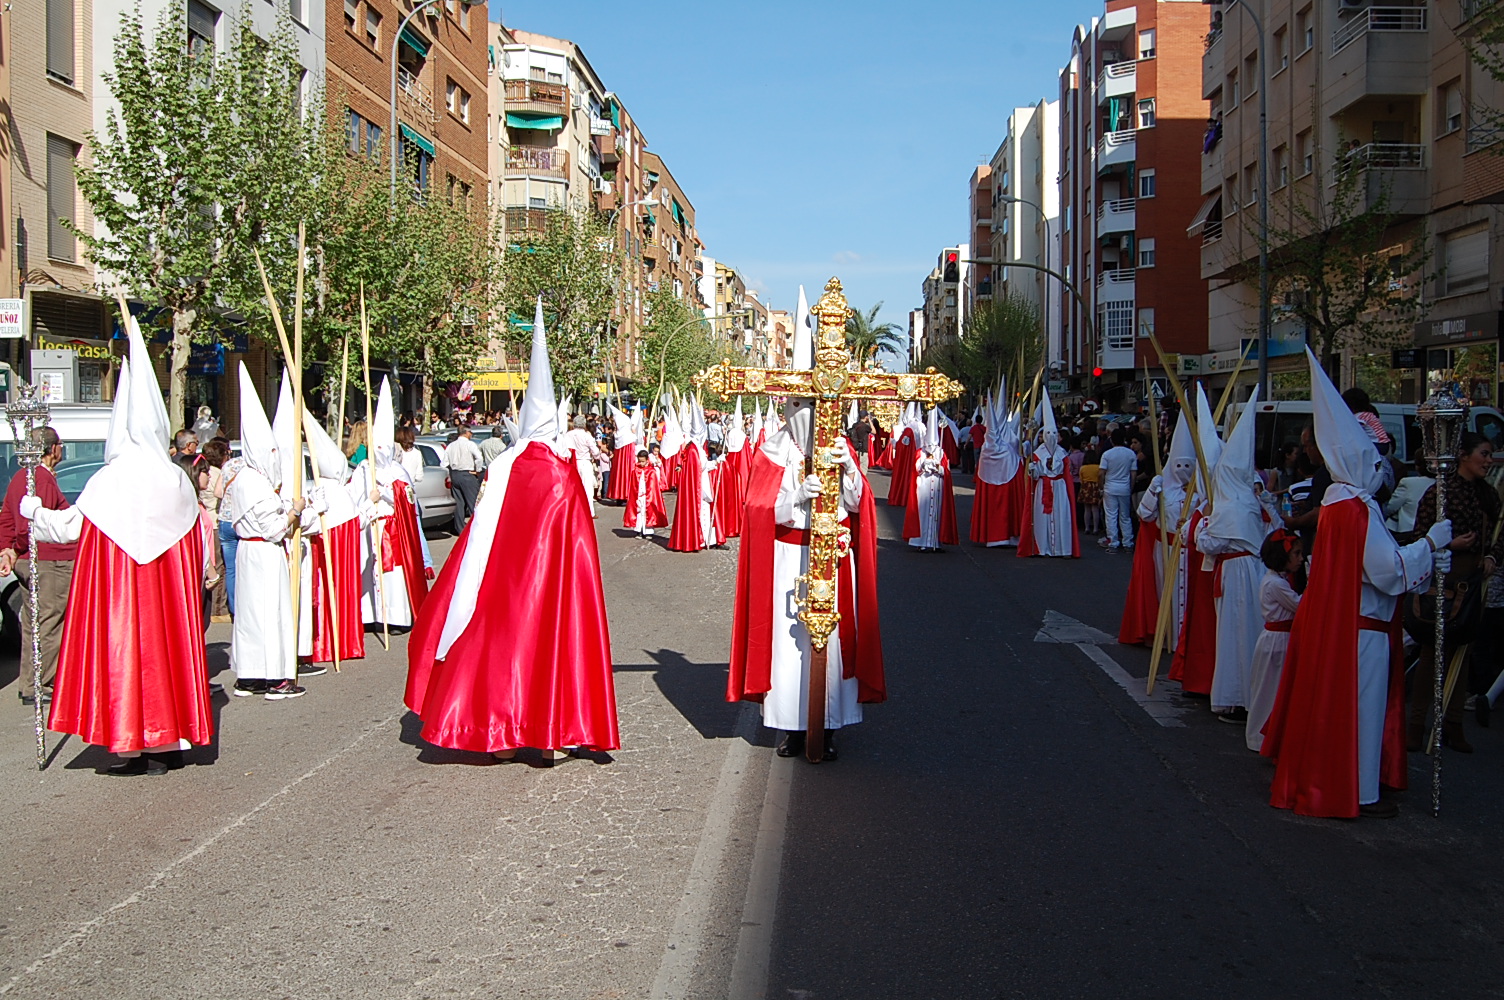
27,416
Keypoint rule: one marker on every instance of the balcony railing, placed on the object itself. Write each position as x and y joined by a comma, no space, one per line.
1483,136
1211,232
411,88
1388,156
536,92
1119,276
1378,19
529,220
538,159
1114,207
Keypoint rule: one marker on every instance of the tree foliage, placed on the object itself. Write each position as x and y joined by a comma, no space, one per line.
866,337
678,343
1340,268
997,337
574,264
206,158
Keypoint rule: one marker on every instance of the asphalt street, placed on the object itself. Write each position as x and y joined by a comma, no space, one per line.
1014,822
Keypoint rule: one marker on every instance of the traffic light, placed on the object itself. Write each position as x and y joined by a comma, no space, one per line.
1096,372
952,267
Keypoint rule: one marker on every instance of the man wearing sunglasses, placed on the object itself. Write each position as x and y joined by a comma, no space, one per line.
54,564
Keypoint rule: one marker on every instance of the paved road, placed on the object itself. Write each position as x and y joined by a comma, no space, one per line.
1013,823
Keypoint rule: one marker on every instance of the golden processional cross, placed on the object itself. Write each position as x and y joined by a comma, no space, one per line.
832,385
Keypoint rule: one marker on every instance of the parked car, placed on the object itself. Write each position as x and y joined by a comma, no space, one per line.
1280,422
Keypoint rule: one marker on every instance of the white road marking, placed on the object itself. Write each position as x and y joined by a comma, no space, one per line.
691,919
754,944
1059,628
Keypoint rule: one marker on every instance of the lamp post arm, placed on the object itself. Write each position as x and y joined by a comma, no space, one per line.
392,130
1091,329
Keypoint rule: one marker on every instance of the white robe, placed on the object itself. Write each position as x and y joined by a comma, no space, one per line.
1239,623
1148,510
1054,533
707,504
263,642
929,487
583,452
785,705
1277,602
393,584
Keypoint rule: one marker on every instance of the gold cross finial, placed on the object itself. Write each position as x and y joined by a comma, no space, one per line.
833,312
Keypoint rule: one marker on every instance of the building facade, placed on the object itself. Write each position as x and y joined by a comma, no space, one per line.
979,225
1026,215
944,291
1132,118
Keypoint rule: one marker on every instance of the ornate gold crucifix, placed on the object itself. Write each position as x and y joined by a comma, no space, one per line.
833,386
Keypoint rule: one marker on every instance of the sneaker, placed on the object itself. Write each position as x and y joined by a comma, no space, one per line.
1104,543
246,688
311,669
284,690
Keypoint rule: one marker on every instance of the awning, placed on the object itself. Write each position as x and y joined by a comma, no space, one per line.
1210,205
615,113
529,119
414,41
677,212
647,213
417,140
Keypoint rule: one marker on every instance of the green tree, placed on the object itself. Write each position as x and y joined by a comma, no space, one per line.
206,159
996,336
677,343
865,336
573,262
1344,270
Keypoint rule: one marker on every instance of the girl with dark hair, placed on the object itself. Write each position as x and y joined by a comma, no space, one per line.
1279,595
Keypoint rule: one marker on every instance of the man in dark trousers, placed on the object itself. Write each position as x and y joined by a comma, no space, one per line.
466,463
860,434
54,564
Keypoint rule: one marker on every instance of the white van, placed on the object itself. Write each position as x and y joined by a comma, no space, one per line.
1280,423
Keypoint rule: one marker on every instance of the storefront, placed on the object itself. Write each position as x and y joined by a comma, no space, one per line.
1467,346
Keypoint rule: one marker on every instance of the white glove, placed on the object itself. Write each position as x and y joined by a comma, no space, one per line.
1157,486
840,454
1440,535
1441,560
809,488
318,500
28,507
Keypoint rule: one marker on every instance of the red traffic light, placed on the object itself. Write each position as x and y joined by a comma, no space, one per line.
952,257
1096,373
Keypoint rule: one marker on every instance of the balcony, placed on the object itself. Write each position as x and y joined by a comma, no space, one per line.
521,219
609,148
1211,232
1117,149
416,99
536,96
1395,171
1119,79
1380,52
1116,216
541,160
1115,285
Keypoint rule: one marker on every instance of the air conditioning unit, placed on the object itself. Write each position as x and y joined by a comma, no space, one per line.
602,186
1351,6
576,100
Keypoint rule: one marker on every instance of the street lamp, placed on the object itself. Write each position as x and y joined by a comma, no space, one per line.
1049,241
1091,329
668,340
1258,25
396,41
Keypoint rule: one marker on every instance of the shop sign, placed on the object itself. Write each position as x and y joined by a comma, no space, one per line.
1408,358
1457,329
87,350
12,318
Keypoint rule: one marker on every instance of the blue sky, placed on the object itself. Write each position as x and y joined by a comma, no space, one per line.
822,137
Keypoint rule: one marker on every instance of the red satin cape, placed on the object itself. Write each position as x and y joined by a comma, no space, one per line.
1313,730
657,516
623,460
997,511
718,477
948,532
883,443
341,544
406,549
732,494
751,673
1026,545
1195,660
1141,606
948,443
903,468
131,673
533,667
686,535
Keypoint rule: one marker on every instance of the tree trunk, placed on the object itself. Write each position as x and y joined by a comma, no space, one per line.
177,366
427,388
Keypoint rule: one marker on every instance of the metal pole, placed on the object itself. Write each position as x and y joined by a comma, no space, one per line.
1258,25
1048,242
392,131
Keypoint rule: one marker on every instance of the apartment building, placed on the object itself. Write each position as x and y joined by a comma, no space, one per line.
1386,93
1132,118
1025,215
780,338
979,224
52,80
757,337
944,291
729,295
670,246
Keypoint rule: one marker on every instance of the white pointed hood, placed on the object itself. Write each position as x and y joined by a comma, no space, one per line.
1050,435
328,459
932,431
539,418
699,430
853,415
999,460
1348,451
673,432
1206,429
140,499
282,431
804,335
736,436
1237,514
624,434
258,445
383,436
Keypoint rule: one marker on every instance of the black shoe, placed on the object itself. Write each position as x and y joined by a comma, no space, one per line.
1379,810
30,700
171,760
215,687
133,767
285,690
830,747
792,745
1236,716
246,688
311,669
551,761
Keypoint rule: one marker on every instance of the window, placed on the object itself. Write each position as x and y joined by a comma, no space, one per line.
61,198
1281,167
352,14
1146,184
1251,183
1230,187
1146,113
465,105
373,28
464,17
352,130
203,25
1067,218
373,141
60,40
1465,261
1304,151
1234,94
1251,72
1306,28
1282,48
1145,323
1116,325
295,9
1146,44
1146,252
452,97
1451,106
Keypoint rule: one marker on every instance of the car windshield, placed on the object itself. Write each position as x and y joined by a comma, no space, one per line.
81,459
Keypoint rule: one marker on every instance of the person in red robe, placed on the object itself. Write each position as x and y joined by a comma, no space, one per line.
645,511
1001,484
623,456
512,649
131,673
688,531
1195,662
904,451
336,632
1337,731
732,495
